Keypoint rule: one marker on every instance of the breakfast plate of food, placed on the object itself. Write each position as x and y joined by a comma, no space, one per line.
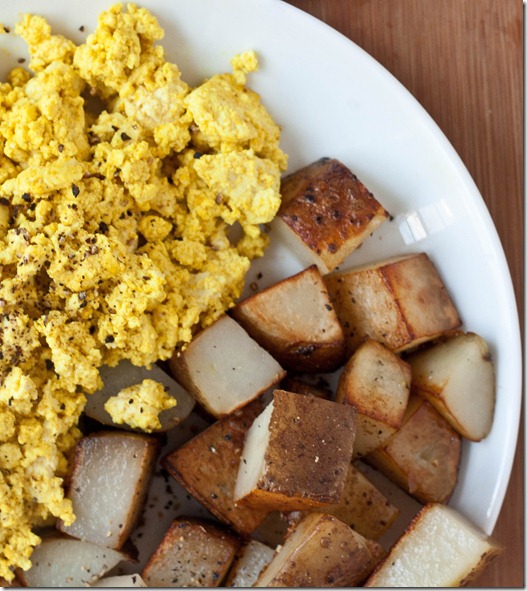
246,284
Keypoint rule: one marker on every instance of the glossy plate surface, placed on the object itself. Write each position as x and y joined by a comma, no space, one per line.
333,99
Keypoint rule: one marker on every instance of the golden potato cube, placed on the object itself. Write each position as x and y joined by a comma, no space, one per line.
296,453
423,456
456,375
193,553
400,302
363,507
295,321
207,467
440,548
376,382
321,552
326,213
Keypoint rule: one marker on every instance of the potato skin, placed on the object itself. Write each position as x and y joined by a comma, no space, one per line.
329,209
309,450
322,552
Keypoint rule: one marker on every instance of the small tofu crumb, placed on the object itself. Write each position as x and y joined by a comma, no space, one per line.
139,406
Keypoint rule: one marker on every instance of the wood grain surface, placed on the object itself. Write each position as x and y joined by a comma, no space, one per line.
463,61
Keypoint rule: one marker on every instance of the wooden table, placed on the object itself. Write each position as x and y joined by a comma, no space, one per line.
463,61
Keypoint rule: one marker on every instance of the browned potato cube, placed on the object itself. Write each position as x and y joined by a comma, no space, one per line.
224,368
457,377
296,454
295,321
109,483
376,382
326,213
440,548
362,506
400,302
207,467
193,553
321,552
423,456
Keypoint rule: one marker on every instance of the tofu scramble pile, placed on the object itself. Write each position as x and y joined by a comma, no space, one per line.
115,230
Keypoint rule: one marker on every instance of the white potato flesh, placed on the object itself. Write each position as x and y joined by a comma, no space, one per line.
252,559
253,455
295,321
125,375
307,256
440,548
127,581
66,562
225,368
457,377
108,486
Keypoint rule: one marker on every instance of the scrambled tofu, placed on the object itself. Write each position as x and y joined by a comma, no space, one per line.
115,236
139,406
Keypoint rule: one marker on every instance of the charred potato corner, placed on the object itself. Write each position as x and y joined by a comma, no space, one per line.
157,427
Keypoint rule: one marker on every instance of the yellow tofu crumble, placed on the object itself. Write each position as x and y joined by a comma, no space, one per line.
138,406
114,236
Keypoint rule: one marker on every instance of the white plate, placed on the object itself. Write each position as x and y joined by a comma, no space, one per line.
333,99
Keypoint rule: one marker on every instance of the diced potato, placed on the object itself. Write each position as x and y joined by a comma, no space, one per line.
125,375
127,581
326,213
109,482
400,302
193,553
301,386
423,456
457,377
295,321
224,368
407,505
207,467
376,382
296,454
440,548
60,561
362,506
321,552
252,558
